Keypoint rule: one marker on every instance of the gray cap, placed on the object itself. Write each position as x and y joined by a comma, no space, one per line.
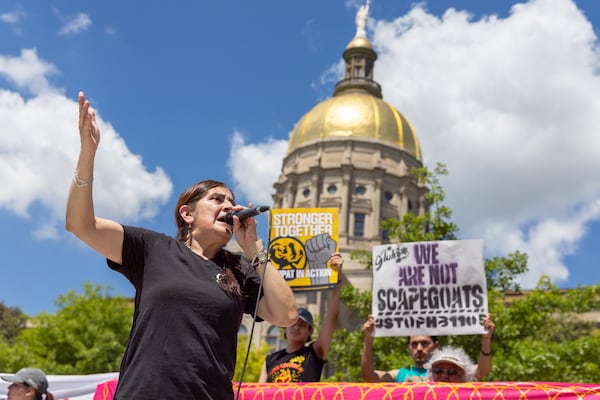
32,376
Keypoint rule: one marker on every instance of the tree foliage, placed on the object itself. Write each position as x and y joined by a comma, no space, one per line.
12,321
502,272
543,337
252,364
435,223
539,336
87,334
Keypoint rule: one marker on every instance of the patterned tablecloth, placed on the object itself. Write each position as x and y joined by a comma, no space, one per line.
402,391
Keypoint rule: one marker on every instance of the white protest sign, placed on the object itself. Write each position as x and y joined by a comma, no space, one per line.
429,288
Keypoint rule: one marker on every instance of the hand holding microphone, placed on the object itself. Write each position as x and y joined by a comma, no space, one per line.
245,213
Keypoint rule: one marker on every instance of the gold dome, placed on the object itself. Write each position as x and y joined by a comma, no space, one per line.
359,42
355,115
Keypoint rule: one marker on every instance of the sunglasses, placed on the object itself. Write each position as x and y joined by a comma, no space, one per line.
449,371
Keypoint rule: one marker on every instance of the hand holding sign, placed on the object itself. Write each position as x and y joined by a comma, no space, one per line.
335,262
489,326
318,251
369,326
429,288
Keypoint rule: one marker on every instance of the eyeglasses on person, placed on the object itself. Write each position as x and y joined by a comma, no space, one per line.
449,371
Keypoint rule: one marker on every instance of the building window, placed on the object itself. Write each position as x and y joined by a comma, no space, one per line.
410,206
273,338
385,235
306,192
359,224
388,196
360,190
331,189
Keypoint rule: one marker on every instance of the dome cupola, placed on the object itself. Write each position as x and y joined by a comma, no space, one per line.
357,109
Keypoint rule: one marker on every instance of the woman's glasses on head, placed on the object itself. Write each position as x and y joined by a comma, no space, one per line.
449,371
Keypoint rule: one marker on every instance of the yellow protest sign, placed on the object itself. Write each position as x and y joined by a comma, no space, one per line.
301,242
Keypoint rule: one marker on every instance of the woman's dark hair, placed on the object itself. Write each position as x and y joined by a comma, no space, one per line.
39,395
227,261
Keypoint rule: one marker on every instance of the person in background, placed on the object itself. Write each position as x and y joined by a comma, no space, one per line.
450,364
303,359
190,293
421,349
28,384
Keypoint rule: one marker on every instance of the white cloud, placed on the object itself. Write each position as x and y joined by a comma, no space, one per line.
39,146
76,24
255,168
110,30
12,17
310,34
510,105
28,71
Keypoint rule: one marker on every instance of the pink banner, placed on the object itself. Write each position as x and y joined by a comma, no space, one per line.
403,391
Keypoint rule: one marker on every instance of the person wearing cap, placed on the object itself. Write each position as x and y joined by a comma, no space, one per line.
302,360
421,349
450,364
28,384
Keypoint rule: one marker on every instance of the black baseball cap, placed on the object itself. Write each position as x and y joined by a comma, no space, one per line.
305,316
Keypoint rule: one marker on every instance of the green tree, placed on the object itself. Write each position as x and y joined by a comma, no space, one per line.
12,321
252,365
539,337
502,272
87,334
543,337
435,223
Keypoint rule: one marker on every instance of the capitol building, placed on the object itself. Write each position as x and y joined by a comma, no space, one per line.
353,152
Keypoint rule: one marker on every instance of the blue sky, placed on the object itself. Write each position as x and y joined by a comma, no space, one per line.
506,94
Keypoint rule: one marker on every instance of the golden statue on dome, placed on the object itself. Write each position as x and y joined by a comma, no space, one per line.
361,20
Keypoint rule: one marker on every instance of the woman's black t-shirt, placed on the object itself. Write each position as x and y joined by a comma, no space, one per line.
184,335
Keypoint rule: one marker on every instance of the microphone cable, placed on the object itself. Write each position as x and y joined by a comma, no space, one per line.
260,285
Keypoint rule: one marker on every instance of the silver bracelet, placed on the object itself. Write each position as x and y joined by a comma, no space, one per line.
80,182
261,257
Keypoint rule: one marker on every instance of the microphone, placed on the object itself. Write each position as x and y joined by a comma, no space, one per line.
245,213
